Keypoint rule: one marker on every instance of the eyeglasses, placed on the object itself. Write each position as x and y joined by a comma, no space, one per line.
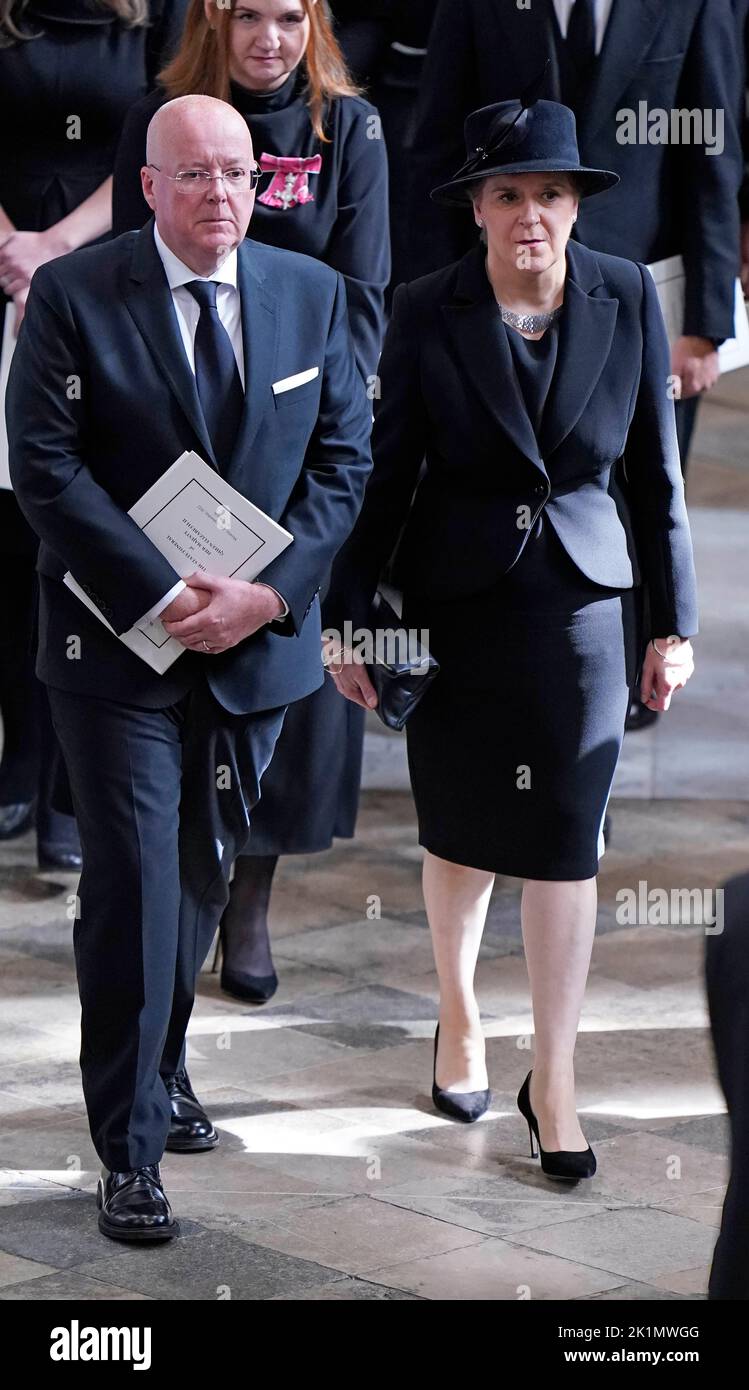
198,180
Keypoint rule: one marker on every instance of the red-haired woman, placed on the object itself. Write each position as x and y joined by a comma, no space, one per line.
69,71
325,194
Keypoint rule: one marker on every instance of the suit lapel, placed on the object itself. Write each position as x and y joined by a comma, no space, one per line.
629,34
586,330
149,301
478,333
260,328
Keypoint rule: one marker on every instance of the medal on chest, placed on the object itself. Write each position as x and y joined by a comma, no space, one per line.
289,186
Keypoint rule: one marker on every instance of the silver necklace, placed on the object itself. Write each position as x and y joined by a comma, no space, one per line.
529,323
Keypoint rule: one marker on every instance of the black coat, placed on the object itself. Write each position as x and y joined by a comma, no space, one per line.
673,199
605,468
105,315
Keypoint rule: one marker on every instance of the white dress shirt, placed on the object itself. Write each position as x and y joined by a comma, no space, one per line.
187,310
603,10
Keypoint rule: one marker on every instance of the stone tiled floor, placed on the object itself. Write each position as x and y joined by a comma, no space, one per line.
335,1178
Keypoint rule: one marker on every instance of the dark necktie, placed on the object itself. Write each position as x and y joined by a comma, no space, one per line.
580,45
216,373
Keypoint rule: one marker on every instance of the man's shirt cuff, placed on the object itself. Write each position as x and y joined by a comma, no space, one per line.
163,603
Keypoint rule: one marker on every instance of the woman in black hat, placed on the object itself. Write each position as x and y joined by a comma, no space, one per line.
533,376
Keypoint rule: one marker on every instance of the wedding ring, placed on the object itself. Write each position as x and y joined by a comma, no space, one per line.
205,644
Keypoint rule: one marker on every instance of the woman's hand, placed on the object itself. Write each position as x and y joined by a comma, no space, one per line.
349,675
661,676
21,253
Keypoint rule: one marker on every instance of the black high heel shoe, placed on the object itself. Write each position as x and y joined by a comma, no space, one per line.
459,1105
252,989
567,1165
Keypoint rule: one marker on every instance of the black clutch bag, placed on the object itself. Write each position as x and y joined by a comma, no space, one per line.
402,670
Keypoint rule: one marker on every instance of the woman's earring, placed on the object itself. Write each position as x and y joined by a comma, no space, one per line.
479,223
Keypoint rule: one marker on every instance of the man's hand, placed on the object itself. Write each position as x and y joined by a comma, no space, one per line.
695,361
235,609
191,600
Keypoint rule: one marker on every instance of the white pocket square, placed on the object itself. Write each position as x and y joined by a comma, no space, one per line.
289,382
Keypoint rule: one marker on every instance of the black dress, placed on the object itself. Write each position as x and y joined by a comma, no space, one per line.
310,791
540,703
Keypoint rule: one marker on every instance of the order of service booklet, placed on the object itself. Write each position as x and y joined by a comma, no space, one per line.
199,522
671,284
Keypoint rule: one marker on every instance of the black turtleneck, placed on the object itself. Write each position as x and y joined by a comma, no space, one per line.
345,224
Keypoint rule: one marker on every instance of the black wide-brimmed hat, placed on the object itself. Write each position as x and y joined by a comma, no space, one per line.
511,137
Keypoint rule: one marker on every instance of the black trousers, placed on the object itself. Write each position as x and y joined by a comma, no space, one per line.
162,799
727,977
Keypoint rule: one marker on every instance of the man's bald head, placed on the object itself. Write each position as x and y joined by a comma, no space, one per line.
194,120
200,222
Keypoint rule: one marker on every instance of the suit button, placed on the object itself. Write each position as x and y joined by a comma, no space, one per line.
540,490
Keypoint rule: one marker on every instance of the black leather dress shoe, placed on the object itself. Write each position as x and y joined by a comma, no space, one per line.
16,819
133,1206
190,1130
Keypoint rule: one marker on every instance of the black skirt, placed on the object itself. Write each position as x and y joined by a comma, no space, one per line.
513,749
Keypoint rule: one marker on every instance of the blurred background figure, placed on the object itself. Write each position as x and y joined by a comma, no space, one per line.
326,194
69,71
727,974
362,28
385,46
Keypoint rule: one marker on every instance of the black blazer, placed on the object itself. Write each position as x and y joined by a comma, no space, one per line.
104,317
672,199
605,468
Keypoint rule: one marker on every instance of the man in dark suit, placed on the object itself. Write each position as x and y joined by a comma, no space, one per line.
605,57
181,336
